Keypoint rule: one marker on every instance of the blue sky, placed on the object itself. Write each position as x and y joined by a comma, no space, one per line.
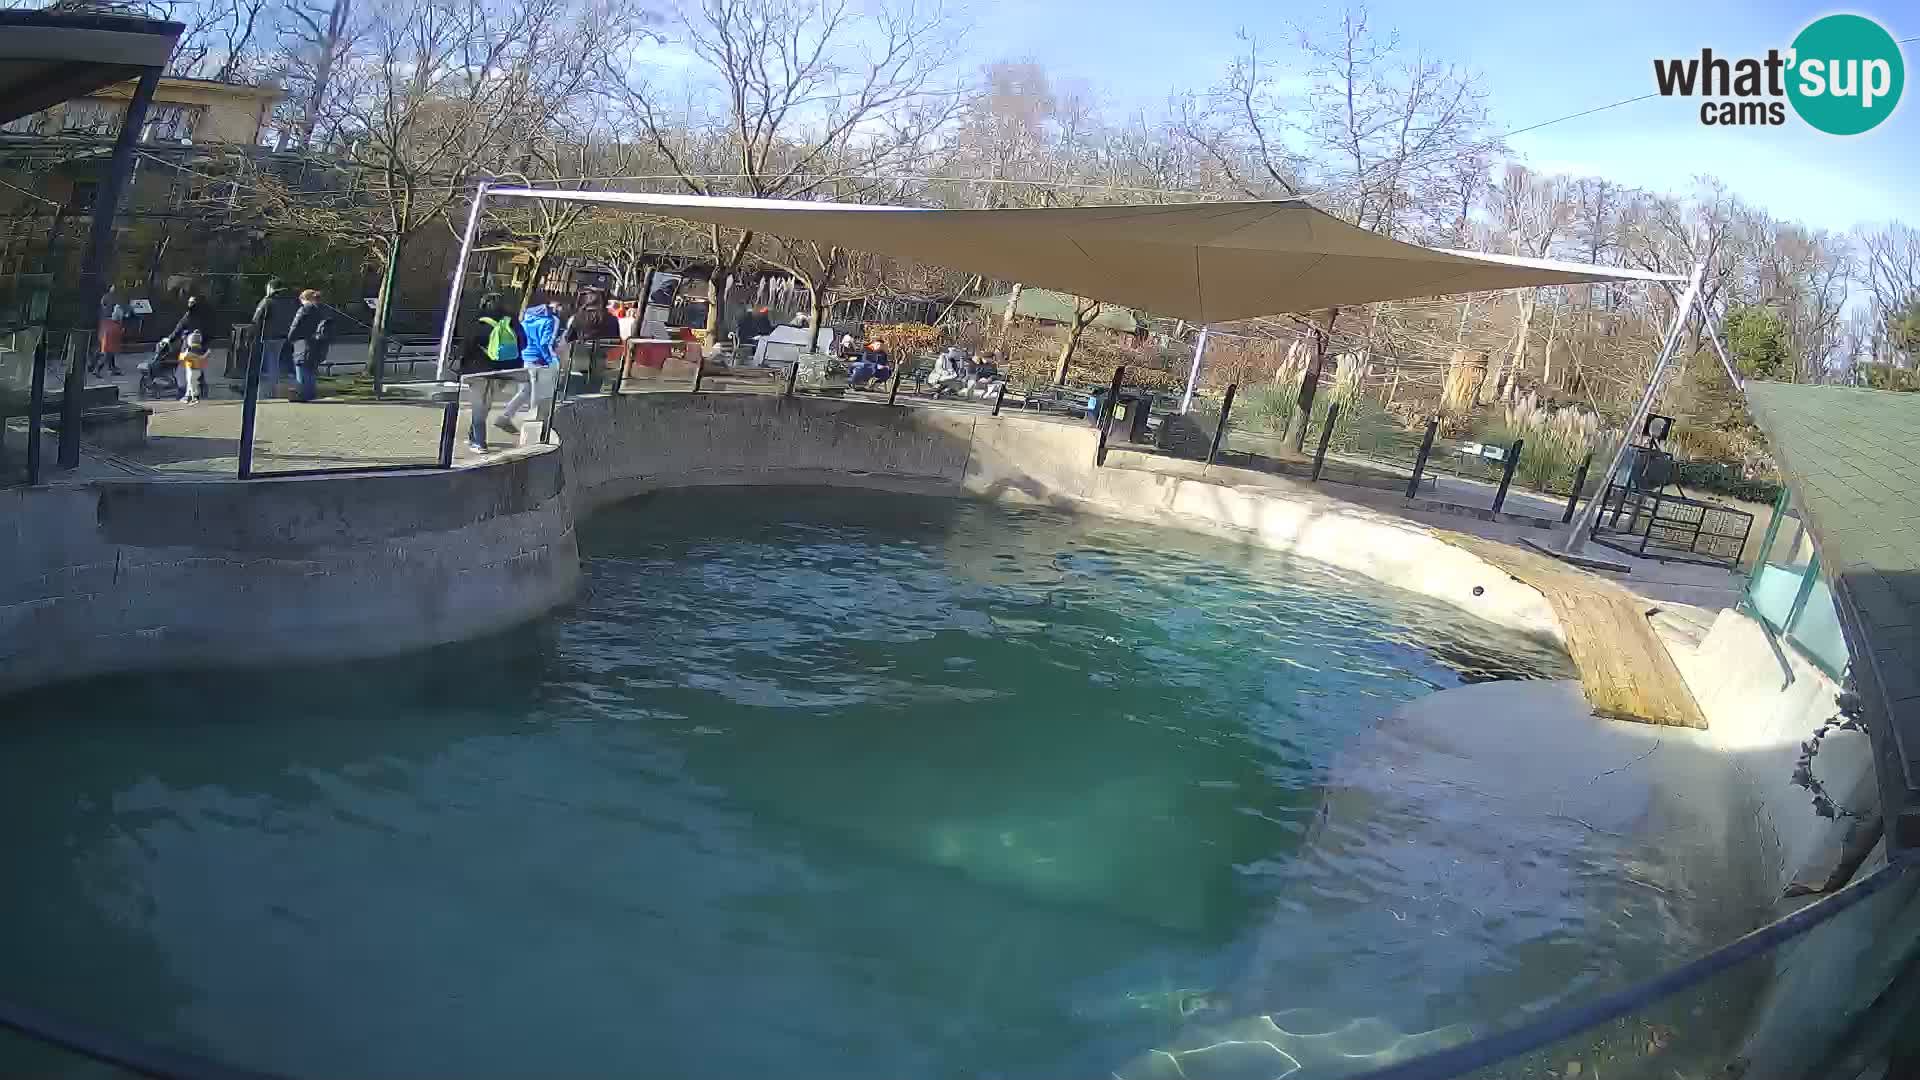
1540,59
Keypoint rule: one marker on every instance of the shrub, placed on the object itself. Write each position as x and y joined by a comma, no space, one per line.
903,340
1557,441
1725,480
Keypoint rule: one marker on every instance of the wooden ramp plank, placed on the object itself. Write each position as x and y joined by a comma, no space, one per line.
1625,669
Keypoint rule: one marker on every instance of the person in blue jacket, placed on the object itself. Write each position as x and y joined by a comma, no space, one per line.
543,323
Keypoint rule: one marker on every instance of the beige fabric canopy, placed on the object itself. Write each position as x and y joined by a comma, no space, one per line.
1202,262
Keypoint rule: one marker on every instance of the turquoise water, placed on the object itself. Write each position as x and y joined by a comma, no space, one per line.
808,783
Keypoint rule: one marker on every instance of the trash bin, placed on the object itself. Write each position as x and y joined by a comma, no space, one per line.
1129,416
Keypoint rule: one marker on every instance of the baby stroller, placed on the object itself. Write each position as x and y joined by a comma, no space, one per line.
160,373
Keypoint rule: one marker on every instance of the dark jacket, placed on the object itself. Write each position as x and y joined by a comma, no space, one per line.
309,344
593,324
306,321
473,351
198,318
273,314
752,327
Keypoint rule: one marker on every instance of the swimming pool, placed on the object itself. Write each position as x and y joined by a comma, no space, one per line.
821,783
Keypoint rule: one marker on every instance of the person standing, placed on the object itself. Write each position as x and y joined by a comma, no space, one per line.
307,336
541,325
112,334
193,366
197,319
493,346
271,318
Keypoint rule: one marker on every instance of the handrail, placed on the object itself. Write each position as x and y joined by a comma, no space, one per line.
140,1058
1500,1046
164,1064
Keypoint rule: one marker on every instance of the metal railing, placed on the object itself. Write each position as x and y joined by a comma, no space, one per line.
1509,1046
1655,525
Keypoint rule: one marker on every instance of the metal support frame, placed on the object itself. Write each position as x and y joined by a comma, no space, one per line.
793,376
96,266
699,372
1220,429
893,387
459,285
1420,461
1583,523
999,396
1193,375
1506,474
1326,435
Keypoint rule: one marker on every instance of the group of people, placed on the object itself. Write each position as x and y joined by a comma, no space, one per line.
526,349
956,373
294,333
865,367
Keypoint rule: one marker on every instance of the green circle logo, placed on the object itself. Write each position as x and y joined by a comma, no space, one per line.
1847,74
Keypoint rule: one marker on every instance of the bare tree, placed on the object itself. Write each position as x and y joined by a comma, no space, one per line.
422,103
316,36
804,99
1890,269
1084,312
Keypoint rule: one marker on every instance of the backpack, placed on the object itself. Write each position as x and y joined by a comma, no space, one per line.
323,332
503,346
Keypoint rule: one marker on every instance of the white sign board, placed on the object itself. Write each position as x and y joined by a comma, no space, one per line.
143,307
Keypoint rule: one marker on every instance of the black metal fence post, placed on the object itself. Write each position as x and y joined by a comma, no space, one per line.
1506,474
449,423
793,376
1104,415
249,405
893,388
620,372
999,396
36,404
1420,462
1326,434
553,406
699,371
1579,481
1220,430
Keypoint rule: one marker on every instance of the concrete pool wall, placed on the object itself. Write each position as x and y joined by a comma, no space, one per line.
618,447
139,575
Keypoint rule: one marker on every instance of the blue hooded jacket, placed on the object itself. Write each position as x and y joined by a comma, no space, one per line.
543,335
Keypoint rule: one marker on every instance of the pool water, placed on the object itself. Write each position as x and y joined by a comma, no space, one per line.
808,783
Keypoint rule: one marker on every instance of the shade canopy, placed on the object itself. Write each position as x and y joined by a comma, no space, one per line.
1202,262
47,57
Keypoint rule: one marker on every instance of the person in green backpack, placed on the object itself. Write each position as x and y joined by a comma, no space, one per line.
492,351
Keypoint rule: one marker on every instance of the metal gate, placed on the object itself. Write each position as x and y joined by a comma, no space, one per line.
1654,525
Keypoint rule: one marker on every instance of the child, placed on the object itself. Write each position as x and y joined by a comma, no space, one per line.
193,365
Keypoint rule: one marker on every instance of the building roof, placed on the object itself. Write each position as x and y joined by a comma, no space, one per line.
47,57
1058,307
1852,459
1202,262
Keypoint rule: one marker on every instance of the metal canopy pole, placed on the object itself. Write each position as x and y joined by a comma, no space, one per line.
1193,376
459,280
1720,350
96,266
1577,534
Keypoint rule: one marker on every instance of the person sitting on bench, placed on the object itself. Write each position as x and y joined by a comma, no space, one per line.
874,366
949,373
